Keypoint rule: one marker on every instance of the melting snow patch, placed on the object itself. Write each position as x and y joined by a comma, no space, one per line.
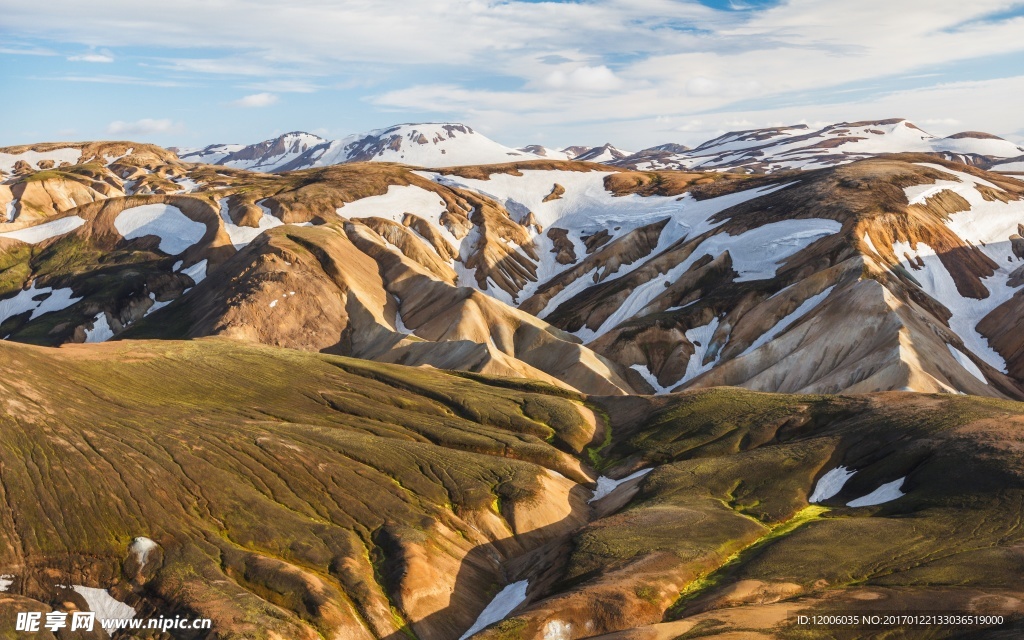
55,300
701,338
12,210
197,271
507,599
156,304
885,493
6,581
830,484
45,231
557,630
650,378
606,485
966,363
241,236
177,232
101,331
273,304
141,547
103,604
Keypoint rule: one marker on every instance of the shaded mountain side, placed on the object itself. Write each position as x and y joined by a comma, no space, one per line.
720,540
298,495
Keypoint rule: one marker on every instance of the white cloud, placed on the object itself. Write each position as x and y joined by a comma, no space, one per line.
637,63
264,99
143,127
584,79
92,57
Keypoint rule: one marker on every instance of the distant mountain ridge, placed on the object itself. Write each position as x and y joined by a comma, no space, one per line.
435,145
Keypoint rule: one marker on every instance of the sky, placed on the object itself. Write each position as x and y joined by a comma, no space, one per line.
631,72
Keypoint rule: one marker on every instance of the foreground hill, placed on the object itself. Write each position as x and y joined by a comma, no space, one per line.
901,272
293,495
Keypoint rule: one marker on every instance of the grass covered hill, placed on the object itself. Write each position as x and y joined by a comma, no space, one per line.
301,495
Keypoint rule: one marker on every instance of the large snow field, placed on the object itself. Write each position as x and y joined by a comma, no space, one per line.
70,155
45,231
177,232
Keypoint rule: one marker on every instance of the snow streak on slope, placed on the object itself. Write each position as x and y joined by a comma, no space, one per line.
586,208
966,363
101,331
789,320
830,484
756,255
503,604
987,226
886,493
605,485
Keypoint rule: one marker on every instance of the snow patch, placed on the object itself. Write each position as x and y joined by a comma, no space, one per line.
6,580
701,338
45,231
885,493
25,300
966,363
141,547
650,378
936,281
101,331
156,304
70,155
12,210
240,235
177,232
503,604
103,604
197,271
606,485
830,484
557,630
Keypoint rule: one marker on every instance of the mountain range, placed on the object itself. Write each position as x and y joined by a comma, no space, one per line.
753,151
416,383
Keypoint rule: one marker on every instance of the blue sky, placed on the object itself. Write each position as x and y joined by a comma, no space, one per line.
635,73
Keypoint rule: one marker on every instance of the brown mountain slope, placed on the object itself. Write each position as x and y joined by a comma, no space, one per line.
670,279
295,495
